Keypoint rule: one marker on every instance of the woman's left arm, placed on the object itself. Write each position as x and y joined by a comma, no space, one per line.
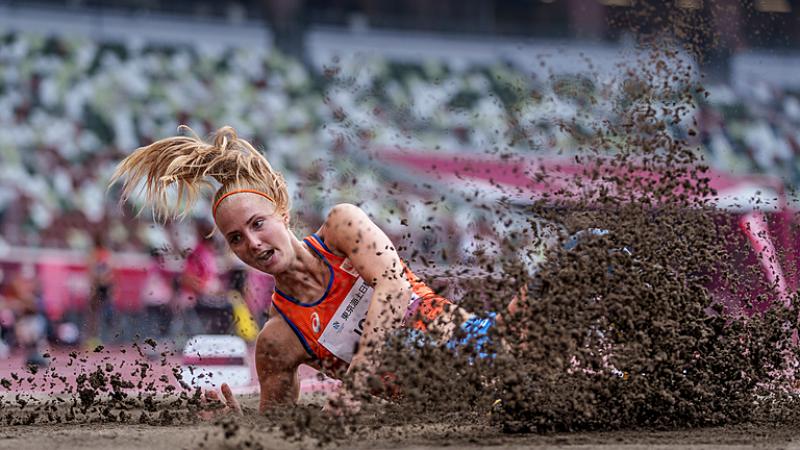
349,230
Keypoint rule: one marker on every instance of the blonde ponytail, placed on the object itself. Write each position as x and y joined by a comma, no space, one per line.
186,163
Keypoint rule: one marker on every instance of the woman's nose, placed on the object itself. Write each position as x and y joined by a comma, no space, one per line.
253,242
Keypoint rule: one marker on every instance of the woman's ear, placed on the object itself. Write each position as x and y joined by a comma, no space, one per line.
286,219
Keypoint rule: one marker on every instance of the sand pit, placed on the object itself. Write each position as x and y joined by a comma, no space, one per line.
205,435
182,429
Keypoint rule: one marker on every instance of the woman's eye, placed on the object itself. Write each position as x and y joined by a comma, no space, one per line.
257,224
234,239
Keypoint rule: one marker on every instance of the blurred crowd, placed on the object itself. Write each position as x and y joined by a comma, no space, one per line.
70,108
754,133
177,294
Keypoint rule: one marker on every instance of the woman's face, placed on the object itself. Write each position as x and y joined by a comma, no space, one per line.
256,234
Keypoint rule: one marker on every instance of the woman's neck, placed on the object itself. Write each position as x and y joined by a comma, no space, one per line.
307,275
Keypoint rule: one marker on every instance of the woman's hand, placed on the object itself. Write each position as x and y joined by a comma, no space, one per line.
229,403
342,402
371,389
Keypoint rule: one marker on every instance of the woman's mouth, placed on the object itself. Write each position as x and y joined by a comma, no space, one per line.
265,257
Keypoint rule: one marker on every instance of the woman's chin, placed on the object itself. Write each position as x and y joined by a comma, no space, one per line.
260,266
271,266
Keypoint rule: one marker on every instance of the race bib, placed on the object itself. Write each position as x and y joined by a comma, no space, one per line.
344,330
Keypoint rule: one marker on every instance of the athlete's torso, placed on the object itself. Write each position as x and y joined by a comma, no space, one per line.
330,328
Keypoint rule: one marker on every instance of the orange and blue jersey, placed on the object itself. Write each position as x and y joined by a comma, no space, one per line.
330,328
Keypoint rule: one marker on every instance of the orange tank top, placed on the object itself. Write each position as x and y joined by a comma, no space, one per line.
331,327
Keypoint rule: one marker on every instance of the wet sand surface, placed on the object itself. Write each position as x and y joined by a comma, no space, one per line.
123,437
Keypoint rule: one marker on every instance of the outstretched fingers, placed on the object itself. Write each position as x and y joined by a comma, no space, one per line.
230,399
228,402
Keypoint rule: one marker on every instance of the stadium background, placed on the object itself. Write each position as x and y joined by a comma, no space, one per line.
347,98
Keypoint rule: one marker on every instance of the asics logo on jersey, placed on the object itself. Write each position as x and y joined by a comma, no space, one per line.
315,322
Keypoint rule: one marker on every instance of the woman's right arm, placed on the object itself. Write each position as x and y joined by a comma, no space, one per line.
278,354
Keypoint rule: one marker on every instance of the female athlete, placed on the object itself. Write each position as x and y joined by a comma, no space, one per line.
339,293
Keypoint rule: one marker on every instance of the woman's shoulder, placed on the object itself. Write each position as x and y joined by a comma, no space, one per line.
345,216
337,227
344,211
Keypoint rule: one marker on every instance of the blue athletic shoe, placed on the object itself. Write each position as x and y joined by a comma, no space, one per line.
476,334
